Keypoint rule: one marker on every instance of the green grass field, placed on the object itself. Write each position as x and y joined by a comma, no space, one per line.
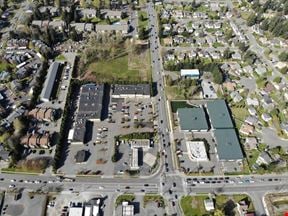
114,70
193,206
127,67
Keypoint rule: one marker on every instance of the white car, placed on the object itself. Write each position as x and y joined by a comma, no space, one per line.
12,186
13,180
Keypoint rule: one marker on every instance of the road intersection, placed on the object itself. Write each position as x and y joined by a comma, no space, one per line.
167,181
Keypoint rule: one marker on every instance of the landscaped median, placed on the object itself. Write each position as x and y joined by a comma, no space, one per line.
154,198
124,198
216,205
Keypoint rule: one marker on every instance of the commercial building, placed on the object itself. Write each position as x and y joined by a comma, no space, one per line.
75,209
219,114
89,110
92,208
127,210
91,100
191,73
131,91
196,150
228,146
134,159
49,82
192,119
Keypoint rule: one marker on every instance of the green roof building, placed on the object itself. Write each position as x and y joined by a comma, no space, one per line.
219,115
192,119
228,146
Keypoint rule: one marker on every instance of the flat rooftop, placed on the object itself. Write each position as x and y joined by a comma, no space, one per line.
91,99
219,114
192,119
49,82
196,150
228,145
138,89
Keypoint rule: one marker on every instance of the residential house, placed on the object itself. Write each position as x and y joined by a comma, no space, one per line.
284,127
178,14
269,87
192,54
36,140
170,57
250,143
260,70
121,28
87,13
267,102
236,97
252,110
111,14
248,69
252,101
246,129
251,120
229,86
236,56
266,117
264,158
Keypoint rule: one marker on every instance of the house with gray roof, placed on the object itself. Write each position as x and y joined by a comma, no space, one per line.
192,119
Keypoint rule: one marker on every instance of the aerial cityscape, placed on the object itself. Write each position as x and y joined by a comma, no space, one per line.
144,107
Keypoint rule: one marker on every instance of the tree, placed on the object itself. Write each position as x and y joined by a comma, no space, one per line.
283,56
73,35
227,53
218,77
242,46
252,19
142,33
218,212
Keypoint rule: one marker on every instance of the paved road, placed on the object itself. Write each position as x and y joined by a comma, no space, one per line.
167,181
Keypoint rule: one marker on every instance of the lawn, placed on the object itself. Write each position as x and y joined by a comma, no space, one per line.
4,65
124,198
239,115
193,206
252,156
154,198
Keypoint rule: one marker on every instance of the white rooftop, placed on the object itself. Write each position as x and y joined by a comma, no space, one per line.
149,159
196,150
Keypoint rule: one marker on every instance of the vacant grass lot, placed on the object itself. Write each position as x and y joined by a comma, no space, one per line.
193,206
126,68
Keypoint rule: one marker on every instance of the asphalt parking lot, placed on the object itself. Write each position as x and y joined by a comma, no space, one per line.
124,117
23,205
